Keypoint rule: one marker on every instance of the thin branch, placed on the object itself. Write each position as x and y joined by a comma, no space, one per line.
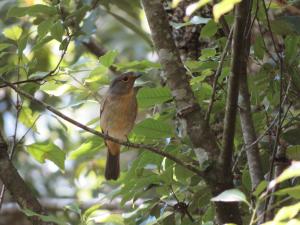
217,75
102,135
278,131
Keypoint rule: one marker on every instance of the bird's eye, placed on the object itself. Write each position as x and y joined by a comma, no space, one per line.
125,79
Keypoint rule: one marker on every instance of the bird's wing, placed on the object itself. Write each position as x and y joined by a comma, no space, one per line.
104,100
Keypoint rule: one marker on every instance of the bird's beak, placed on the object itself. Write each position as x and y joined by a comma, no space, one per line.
137,75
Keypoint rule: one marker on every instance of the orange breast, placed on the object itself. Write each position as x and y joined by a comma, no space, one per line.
118,115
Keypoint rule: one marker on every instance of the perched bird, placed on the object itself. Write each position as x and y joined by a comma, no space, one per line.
117,116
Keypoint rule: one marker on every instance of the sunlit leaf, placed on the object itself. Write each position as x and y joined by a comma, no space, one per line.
293,152
108,218
89,148
291,191
260,188
292,171
27,117
223,7
56,89
108,59
194,6
4,46
47,150
175,3
287,212
13,32
231,195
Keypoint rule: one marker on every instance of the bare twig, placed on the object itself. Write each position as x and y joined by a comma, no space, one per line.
279,124
217,75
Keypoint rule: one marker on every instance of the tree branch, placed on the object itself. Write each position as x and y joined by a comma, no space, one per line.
247,125
17,186
238,49
102,135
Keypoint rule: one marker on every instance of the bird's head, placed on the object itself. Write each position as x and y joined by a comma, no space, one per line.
123,84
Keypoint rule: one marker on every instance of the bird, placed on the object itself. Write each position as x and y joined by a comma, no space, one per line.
117,118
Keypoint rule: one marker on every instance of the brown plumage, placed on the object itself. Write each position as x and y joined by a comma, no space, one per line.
117,117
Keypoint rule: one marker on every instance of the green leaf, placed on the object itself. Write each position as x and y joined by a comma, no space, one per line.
231,195
223,7
139,66
42,42
291,50
22,42
209,30
57,31
88,212
294,192
260,188
153,129
207,53
13,32
74,207
44,28
89,148
293,152
292,136
38,9
108,59
293,22
292,171
259,47
17,12
45,218
103,217
47,150
27,117
34,10
150,96
161,218
4,46
56,89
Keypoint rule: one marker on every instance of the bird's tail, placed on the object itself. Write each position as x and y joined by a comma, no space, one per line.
112,168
